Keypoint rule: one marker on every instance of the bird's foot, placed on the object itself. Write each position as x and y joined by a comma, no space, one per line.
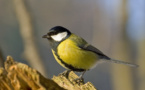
79,80
65,73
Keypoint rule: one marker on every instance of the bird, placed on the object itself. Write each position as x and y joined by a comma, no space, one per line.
74,53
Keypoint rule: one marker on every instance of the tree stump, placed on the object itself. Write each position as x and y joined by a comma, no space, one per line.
19,76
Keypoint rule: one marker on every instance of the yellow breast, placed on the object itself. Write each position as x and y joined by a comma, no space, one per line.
71,54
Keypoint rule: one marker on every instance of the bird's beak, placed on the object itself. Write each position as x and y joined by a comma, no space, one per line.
45,36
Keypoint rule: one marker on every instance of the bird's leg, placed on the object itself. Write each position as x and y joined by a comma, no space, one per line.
66,73
81,76
80,79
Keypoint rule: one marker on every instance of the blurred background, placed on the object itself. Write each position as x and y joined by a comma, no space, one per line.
116,27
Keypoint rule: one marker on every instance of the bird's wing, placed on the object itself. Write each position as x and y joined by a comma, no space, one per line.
82,44
95,50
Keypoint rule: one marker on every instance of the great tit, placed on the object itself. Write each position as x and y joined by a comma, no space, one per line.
74,53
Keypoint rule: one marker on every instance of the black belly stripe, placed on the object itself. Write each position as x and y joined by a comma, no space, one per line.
68,65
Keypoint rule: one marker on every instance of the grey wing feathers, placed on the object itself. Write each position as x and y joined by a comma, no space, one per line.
95,50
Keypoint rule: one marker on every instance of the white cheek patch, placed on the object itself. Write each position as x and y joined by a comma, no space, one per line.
59,36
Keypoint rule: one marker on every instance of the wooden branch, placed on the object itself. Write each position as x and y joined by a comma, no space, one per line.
27,32
18,76
72,85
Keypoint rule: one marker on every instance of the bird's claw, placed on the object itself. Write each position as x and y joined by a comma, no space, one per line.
79,80
65,73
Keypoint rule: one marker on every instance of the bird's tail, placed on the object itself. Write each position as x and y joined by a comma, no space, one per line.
120,62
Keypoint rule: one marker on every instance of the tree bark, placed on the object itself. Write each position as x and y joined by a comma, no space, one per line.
18,76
